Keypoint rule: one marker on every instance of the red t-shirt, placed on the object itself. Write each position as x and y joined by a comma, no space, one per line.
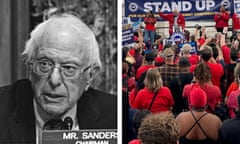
226,54
232,102
163,102
150,23
232,87
142,69
214,95
135,141
132,97
193,59
216,72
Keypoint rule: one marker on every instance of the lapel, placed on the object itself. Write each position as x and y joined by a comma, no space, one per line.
87,112
22,122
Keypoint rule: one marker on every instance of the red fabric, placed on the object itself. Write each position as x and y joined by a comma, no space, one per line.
160,47
142,69
216,72
236,22
131,52
198,97
232,87
159,59
226,54
163,102
221,21
150,23
213,94
201,41
135,141
170,18
193,59
135,38
232,102
131,83
132,97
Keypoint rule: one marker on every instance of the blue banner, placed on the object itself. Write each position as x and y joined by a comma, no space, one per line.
191,9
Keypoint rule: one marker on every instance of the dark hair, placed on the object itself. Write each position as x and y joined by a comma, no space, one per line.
151,12
124,53
214,49
140,83
183,62
234,54
206,53
150,56
202,73
238,99
138,117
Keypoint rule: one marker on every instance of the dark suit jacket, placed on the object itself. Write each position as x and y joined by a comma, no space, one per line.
95,110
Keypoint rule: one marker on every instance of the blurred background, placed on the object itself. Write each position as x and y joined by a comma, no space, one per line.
19,17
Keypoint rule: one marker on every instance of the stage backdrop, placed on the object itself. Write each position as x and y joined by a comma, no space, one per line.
191,9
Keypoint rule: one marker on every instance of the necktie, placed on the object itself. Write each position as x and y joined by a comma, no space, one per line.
58,124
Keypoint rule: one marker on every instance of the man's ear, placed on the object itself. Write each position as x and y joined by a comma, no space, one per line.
92,73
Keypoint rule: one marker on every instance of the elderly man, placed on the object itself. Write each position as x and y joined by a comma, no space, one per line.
63,58
176,20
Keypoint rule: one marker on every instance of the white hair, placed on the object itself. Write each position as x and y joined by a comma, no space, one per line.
36,40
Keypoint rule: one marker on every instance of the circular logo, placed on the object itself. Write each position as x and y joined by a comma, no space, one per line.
226,3
177,37
133,7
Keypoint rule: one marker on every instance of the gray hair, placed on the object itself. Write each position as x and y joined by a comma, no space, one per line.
37,35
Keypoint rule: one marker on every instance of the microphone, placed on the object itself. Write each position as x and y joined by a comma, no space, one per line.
68,122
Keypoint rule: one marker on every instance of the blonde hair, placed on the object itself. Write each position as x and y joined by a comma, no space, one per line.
153,80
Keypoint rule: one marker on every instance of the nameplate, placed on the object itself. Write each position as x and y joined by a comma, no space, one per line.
93,136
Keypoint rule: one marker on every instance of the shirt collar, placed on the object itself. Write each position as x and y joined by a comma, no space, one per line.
71,113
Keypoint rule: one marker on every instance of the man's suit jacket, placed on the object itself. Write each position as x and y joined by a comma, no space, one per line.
95,110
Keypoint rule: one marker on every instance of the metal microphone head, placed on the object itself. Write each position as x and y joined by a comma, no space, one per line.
69,123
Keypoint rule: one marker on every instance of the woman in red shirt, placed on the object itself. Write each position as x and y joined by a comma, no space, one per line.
202,76
221,18
150,29
154,85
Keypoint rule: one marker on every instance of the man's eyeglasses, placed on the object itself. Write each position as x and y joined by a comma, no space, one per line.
45,68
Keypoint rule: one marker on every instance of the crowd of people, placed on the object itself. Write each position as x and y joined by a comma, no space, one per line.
188,93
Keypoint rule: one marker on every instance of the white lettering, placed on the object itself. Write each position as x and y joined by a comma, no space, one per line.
200,7
92,142
99,135
186,6
70,135
157,5
147,7
210,4
165,7
176,5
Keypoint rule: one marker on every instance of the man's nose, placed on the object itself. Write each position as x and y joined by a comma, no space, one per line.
55,79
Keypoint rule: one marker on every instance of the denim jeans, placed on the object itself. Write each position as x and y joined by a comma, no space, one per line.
151,34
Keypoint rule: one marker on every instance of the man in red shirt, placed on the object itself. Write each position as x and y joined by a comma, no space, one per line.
148,63
175,19
221,18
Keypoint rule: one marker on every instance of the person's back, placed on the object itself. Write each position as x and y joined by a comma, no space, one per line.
197,125
209,123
